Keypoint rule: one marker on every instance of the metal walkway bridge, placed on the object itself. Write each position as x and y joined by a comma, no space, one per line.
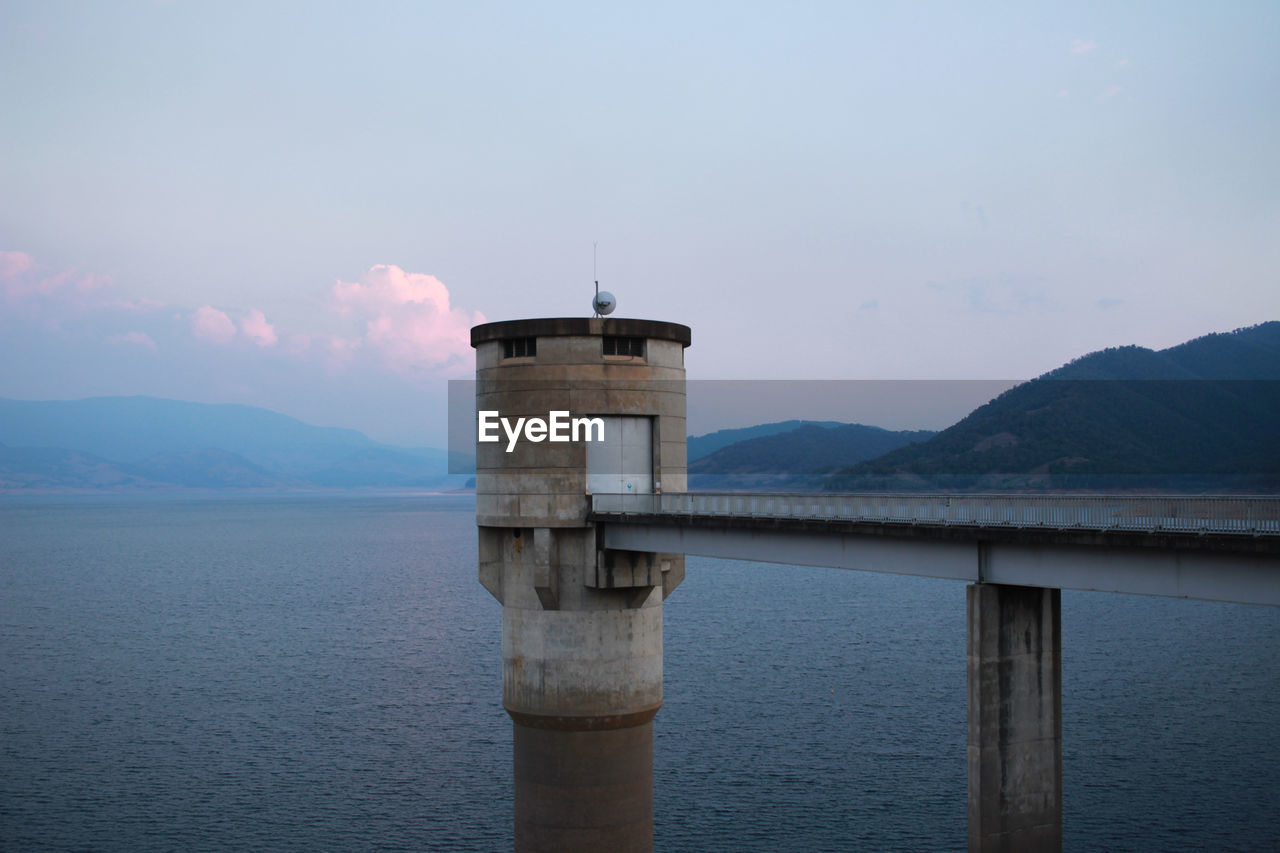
1213,547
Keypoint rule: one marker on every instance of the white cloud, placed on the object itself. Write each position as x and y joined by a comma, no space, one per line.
136,306
1009,295
141,339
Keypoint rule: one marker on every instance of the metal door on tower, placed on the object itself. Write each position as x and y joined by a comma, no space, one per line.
623,462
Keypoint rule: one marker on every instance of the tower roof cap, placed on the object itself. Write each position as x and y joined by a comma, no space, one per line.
551,327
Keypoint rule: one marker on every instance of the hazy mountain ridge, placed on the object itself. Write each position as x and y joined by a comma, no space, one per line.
210,468
113,443
704,445
58,469
796,458
1202,414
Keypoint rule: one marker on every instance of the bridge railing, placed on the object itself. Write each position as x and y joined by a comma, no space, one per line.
1207,514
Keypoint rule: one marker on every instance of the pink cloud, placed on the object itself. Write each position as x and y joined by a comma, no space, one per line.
16,279
1110,92
22,277
1083,46
141,339
257,329
340,350
13,264
388,317
407,317
385,284
212,325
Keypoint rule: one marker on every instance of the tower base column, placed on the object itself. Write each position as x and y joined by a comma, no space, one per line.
584,790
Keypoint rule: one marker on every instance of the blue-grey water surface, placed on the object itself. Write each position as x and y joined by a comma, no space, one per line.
323,673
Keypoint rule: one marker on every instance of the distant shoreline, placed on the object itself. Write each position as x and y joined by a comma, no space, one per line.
182,492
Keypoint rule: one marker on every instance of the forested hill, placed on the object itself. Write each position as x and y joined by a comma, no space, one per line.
704,445
1201,415
790,459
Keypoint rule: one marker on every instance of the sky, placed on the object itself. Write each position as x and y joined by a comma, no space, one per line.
306,206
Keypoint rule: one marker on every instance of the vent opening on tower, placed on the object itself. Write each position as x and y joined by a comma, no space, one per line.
519,347
615,345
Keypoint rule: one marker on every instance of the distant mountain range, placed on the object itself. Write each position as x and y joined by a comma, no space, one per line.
1201,415
794,457
114,443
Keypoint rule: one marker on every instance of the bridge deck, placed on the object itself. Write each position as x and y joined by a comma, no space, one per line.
1227,514
1215,548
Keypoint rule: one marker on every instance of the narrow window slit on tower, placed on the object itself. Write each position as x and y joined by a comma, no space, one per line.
614,345
519,347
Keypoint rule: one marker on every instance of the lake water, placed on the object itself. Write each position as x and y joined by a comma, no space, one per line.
323,673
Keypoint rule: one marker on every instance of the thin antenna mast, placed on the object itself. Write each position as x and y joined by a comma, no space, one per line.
603,303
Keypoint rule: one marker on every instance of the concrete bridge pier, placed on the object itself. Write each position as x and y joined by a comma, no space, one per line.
1015,718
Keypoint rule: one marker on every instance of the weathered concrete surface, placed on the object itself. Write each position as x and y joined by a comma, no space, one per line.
581,625
584,791
1015,718
597,661
582,681
544,484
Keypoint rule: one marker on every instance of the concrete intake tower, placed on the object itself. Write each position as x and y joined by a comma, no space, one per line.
581,625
